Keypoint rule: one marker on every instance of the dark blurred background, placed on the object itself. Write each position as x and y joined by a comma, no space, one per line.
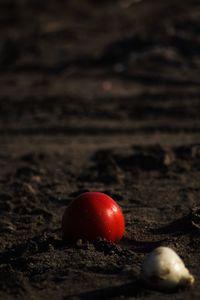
84,66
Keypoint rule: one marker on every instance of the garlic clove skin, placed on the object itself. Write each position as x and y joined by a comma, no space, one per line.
164,269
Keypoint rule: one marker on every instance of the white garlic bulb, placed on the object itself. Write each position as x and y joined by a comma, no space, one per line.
164,269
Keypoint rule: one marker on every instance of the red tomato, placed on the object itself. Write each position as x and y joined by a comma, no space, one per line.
93,215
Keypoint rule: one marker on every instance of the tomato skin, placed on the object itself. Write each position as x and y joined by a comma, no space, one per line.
93,215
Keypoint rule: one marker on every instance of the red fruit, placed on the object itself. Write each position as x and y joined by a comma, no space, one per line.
93,215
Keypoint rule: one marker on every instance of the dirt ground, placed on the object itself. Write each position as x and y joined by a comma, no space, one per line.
97,96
